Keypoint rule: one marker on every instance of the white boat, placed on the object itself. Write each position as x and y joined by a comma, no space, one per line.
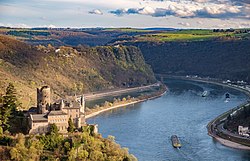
204,94
227,100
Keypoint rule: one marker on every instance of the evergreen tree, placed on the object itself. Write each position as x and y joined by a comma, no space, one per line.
10,98
71,125
53,129
1,100
9,107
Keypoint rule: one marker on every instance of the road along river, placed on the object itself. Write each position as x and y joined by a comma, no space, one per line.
146,128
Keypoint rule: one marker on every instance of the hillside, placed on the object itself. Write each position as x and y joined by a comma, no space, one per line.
72,37
226,59
104,36
219,53
69,70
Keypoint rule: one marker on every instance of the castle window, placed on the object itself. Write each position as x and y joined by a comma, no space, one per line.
76,110
76,115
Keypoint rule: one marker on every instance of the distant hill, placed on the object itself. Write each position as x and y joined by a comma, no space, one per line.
69,70
219,53
226,59
104,36
160,29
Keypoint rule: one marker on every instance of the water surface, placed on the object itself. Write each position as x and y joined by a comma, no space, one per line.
146,128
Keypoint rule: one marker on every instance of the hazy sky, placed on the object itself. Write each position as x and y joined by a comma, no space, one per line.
126,13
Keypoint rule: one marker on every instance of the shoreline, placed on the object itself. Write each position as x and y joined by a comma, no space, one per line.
125,104
94,95
212,124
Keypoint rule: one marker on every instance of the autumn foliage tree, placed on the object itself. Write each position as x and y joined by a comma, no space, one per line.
26,150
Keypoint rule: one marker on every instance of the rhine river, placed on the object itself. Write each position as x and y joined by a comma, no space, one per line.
146,128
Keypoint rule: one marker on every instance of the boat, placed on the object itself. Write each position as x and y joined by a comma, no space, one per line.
204,94
175,141
227,97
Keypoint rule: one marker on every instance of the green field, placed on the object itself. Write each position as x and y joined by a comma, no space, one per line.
188,35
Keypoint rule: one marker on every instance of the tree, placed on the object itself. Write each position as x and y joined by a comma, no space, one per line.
53,129
1,105
26,152
111,138
71,126
9,107
96,155
1,128
67,146
35,149
19,152
10,98
83,154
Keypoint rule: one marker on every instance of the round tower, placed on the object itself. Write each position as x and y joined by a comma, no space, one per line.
82,108
43,99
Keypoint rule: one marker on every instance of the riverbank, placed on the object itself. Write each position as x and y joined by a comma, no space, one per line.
215,127
94,95
138,100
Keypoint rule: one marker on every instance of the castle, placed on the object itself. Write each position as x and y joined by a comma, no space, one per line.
57,113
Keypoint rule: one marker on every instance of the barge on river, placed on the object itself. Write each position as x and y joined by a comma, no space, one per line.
175,141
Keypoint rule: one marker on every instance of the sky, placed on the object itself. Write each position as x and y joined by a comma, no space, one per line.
126,13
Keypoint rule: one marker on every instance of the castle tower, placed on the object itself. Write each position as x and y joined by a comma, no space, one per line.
62,105
82,101
43,99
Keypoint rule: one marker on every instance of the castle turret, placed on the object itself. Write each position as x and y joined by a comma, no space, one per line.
82,104
43,99
62,105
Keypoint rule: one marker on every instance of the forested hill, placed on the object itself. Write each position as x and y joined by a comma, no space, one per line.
226,59
69,70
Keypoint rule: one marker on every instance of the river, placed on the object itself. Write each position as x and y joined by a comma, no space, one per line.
146,128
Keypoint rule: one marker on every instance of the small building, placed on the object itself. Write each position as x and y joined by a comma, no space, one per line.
57,50
57,113
243,131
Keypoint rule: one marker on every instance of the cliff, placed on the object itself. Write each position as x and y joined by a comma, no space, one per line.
69,70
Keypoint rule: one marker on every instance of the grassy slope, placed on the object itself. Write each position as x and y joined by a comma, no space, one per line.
69,71
189,35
